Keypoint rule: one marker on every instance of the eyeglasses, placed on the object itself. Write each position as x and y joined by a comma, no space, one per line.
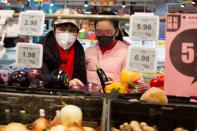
104,33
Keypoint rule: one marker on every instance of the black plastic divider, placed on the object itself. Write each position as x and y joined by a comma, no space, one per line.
11,104
179,112
44,91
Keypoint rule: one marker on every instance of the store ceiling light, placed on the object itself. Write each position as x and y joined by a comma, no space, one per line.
86,4
182,5
51,4
4,1
194,2
123,4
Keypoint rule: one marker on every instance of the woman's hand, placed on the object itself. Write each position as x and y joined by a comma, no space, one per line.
76,82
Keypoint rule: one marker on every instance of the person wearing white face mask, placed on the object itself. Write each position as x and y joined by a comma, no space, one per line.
63,51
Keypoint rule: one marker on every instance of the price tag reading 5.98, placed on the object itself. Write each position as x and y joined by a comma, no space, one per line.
143,27
29,54
31,23
142,59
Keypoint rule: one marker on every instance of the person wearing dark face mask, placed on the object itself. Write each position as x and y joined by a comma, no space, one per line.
63,51
109,53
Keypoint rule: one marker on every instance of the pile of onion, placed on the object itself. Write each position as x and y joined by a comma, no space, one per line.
41,124
58,128
71,115
15,127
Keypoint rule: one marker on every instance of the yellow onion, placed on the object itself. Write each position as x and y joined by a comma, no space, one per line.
58,128
15,127
41,124
71,115
56,121
75,128
89,129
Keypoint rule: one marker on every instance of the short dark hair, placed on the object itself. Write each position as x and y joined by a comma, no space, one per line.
114,22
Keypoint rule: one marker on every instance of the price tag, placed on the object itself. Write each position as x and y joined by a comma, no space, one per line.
137,43
142,59
4,14
144,26
4,75
161,44
31,23
29,54
149,44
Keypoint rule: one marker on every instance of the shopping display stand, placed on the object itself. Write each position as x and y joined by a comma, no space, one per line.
98,109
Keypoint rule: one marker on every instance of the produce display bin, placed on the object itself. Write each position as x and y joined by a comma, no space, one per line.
179,112
13,104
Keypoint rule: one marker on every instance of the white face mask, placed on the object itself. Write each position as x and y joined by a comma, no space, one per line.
65,40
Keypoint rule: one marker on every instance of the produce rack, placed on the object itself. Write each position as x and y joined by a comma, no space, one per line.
179,112
98,109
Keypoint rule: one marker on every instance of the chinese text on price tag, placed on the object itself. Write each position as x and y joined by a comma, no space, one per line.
144,27
31,23
142,59
29,54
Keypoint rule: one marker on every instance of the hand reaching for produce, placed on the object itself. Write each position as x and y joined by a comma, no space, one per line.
75,82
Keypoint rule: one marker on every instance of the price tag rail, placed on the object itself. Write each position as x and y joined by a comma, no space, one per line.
89,17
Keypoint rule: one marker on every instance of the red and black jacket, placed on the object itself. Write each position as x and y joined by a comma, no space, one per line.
51,58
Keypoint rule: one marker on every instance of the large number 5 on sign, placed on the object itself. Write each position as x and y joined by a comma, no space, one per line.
188,53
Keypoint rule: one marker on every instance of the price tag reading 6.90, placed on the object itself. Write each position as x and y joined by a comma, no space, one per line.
29,54
142,59
31,23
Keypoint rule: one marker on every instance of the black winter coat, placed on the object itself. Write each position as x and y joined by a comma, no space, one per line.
51,58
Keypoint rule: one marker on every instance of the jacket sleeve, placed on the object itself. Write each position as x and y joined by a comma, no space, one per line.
47,65
83,74
80,64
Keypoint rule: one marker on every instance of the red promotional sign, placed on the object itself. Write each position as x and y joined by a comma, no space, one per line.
181,55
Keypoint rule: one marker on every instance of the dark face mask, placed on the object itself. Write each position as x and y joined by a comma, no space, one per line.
105,41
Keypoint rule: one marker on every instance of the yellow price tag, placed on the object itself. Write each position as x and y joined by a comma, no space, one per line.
161,43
